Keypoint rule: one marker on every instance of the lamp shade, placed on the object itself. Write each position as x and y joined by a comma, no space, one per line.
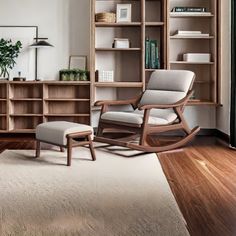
41,44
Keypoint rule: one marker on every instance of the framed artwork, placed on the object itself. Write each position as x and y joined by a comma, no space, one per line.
26,63
78,62
123,13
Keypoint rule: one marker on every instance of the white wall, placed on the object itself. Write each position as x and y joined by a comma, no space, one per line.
223,113
64,22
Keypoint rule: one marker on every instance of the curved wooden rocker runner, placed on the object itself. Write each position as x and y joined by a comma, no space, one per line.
159,109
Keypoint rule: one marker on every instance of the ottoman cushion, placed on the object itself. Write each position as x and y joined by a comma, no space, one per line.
55,132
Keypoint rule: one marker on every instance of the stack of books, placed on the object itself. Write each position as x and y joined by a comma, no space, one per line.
187,33
152,57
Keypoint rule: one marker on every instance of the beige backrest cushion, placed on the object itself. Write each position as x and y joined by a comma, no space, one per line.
167,86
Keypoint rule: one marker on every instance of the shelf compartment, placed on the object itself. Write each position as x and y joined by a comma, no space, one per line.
154,11
26,90
55,91
3,91
105,43
77,119
26,107
24,123
110,6
3,123
154,23
3,107
65,108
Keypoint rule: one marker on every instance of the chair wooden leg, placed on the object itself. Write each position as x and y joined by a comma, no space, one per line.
62,149
69,150
38,149
91,148
99,131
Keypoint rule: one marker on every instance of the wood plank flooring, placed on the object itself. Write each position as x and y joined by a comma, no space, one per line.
202,177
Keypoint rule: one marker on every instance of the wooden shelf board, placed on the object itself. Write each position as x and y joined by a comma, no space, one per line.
191,37
195,102
3,99
104,24
119,84
22,131
203,82
67,115
26,99
118,49
3,115
150,70
52,82
154,23
191,63
67,99
26,115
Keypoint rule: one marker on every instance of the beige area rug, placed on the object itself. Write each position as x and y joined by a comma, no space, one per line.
115,195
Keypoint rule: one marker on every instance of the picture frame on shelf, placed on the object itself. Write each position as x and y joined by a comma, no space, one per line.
123,13
78,62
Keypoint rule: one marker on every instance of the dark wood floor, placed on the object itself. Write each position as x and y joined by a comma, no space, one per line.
202,177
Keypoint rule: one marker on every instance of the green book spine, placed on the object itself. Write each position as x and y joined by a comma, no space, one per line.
158,66
147,53
152,64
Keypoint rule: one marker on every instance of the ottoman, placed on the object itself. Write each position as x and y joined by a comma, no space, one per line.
63,134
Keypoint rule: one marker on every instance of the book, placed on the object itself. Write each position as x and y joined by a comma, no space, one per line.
152,61
189,9
147,52
158,66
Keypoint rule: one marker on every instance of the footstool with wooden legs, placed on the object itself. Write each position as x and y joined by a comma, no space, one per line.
64,135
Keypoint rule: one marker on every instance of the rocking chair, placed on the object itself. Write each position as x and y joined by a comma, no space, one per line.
159,109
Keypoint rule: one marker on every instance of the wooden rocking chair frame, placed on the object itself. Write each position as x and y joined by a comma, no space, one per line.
146,129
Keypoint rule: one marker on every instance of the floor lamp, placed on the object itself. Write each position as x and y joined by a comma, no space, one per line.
39,43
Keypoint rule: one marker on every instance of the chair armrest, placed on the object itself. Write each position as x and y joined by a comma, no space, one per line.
180,103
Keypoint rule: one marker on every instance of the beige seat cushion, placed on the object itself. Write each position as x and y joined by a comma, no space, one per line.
55,132
157,117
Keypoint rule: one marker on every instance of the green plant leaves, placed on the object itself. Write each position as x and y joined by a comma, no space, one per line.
8,53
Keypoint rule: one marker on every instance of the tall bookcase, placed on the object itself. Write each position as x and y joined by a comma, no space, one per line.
130,76
207,82
153,19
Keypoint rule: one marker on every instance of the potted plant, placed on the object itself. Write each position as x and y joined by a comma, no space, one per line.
9,51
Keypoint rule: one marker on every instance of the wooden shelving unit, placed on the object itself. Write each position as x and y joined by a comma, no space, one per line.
24,105
149,19
207,83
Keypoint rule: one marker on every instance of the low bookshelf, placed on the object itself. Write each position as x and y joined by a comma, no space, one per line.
24,105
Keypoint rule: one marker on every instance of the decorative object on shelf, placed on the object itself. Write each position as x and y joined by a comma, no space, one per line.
123,13
74,75
9,51
19,78
106,17
189,9
105,75
152,59
78,62
191,34
121,43
197,57
39,43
